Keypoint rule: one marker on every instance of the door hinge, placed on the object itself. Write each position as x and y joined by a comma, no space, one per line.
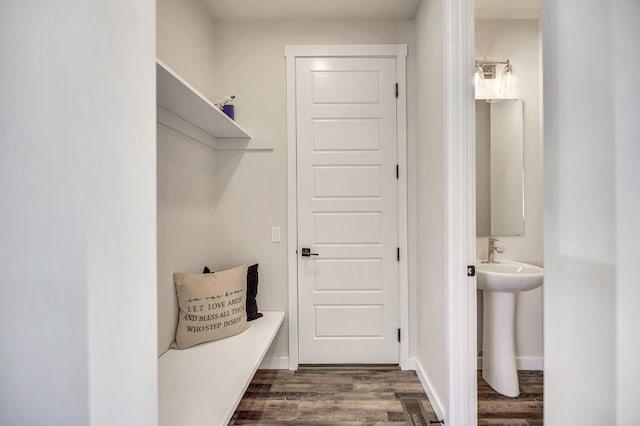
397,90
397,171
398,254
399,334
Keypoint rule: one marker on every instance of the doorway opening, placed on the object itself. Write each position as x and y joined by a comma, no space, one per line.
509,197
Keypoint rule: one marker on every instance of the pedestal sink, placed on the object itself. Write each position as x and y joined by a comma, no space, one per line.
500,282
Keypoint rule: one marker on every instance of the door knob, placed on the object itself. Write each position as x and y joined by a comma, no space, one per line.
306,252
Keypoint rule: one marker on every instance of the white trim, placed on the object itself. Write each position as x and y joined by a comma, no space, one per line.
411,364
460,197
403,215
398,51
535,363
275,363
345,50
292,212
434,398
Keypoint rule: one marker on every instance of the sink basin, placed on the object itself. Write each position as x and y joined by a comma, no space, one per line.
500,282
508,276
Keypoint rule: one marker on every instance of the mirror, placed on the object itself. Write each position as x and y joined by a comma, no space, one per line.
499,167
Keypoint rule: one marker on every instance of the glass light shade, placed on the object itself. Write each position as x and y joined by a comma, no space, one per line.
479,80
508,79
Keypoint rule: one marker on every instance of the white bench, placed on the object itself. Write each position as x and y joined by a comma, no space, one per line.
203,385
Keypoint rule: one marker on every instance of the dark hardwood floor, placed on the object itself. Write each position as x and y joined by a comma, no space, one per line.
525,410
334,395
370,395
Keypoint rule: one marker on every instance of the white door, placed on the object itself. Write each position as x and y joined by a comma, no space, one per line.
347,210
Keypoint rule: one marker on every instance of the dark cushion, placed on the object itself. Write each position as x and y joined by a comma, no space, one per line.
252,291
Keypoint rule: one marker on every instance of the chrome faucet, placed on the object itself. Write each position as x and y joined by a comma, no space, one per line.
492,250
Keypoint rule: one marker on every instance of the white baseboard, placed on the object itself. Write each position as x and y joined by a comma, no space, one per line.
275,363
408,364
524,363
282,363
434,399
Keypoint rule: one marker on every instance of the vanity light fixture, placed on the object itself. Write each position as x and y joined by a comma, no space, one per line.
488,71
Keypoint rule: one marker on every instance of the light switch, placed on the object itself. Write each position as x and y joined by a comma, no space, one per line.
275,234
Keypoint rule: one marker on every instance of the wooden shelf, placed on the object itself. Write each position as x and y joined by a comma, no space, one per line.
185,110
203,385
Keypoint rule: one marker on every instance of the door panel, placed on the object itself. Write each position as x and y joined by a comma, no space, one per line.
347,210
347,181
348,275
344,134
347,228
341,86
349,321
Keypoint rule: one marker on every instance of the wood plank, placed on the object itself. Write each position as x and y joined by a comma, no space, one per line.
330,395
356,395
525,410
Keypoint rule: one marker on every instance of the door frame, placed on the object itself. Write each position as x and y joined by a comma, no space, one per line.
459,130
399,52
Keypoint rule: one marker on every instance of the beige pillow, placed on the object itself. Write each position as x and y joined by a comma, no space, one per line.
212,306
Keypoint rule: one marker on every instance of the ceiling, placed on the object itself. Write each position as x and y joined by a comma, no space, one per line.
271,10
507,9
363,10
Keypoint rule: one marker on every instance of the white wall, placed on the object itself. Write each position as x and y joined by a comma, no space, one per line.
591,203
121,230
430,350
77,168
43,257
187,224
626,30
518,40
186,42
252,186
